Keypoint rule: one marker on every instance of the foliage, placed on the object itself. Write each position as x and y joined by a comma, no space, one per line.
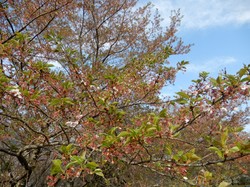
80,103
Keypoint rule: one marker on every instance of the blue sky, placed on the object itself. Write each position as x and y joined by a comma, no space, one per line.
219,30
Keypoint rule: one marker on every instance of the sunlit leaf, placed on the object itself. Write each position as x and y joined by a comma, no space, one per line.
224,184
234,149
99,172
56,167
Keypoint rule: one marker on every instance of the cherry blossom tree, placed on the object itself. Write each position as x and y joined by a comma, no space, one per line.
80,100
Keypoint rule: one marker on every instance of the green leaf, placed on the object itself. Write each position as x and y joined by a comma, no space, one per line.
55,102
213,81
224,184
168,51
120,114
234,149
61,101
180,156
232,79
21,37
56,167
216,143
124,134
135,132
242,72
109,140
182,65
163,113
176,158
245,79
219,80
77,159
99,172
40,65
151,129
175,135
208,175
92,165
66,149
113,130
67,85
68,100
168,150
35,95
156,120
173,127
192,156
238,129
224,137
3,78
204,74
127,140
181,101
217,151
70,164
244,146
183,95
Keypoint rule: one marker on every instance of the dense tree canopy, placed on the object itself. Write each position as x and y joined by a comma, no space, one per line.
80,102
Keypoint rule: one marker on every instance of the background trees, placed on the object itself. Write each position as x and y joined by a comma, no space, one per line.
80,84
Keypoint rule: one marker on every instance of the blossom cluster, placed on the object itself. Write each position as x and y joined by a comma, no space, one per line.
16,92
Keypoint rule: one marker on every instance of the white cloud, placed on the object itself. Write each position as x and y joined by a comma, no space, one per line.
200,14
168,91
247,128
55,64
212,65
